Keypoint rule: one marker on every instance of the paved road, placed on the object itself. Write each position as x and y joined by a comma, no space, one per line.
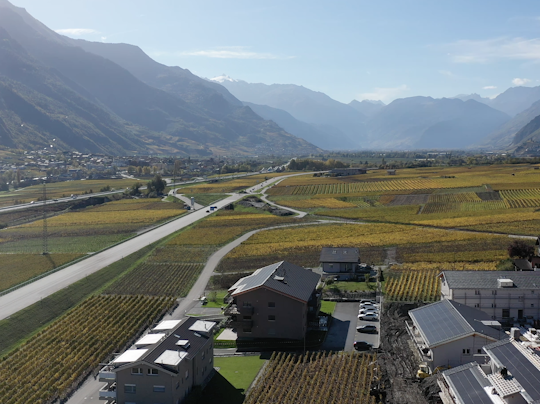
33,292
185,199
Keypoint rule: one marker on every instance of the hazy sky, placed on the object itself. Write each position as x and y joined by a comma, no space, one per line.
347,49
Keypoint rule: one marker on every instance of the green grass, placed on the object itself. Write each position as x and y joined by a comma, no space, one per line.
239,370
328,307
25,323
76,245
218,295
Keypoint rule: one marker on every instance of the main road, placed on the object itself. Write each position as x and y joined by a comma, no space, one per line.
32,293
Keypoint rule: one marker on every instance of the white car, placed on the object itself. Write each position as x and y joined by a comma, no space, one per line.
368,306
368,311
368,317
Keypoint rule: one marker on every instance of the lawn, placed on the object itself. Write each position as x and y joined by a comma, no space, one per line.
328,307
215,298
229,384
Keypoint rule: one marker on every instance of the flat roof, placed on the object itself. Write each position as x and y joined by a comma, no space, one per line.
171,358
202,326
150,339
131,355
166,325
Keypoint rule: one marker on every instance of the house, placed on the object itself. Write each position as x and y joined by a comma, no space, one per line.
341,172
503,295
163,366
391,172
276,301
339,261
512,375
447,333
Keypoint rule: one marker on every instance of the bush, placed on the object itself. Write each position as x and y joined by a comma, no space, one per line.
520,249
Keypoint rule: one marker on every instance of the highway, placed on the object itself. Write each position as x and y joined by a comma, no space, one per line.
35,291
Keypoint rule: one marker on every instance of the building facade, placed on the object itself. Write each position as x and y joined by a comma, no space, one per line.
276,301
163,366
341,262
505,296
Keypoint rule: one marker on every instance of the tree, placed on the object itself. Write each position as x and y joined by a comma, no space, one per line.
520,249
157,185
134,190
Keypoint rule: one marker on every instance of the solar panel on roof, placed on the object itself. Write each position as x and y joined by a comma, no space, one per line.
440,322
468,388
520,368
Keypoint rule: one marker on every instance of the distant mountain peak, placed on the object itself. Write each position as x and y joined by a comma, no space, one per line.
223,78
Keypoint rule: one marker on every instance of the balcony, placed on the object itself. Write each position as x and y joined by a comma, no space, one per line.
242,323
246,310
108,392
107,375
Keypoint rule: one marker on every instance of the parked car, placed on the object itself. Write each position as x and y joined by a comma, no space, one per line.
368,307
368,317
369,301
362,346
368,311
367,329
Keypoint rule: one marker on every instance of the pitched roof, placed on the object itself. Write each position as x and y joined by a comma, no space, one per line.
488,279
339,254
523,264
468,383
282,277
446,321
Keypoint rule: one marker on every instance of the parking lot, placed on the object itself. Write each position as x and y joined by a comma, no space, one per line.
342,332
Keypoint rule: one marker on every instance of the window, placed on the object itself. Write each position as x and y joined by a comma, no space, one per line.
493,305
476,292
506,313
203,355
331,265
520,298
271,317
493,292
477,305
136,371
532,304
246,317
246,329
177,385
466,351
246,304
272,331
130,388
159,389
153,372
187,374
479,351
271,304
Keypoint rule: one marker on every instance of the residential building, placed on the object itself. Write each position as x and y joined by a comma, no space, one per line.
447,333
341,262
340,172
163,366
276,301
503,295
511,375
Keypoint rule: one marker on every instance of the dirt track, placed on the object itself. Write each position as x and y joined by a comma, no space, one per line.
398,362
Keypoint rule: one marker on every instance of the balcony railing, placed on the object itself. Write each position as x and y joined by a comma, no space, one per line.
108,392
106,374
242,323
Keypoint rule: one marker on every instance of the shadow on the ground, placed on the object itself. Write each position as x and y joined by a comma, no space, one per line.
219,390
337,335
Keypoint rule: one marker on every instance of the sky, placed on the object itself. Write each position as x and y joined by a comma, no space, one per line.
350,49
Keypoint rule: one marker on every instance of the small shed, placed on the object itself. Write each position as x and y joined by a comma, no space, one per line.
391,172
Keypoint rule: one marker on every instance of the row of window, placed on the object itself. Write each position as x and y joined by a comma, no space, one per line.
468,351
493,305
139,371
271,317
248,304
494,292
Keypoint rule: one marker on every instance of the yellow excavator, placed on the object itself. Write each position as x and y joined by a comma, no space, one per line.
424,370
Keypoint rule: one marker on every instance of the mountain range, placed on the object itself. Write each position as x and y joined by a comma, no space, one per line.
115,99
82,95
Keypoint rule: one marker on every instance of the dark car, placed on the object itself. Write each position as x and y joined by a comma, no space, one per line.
362,346
367,329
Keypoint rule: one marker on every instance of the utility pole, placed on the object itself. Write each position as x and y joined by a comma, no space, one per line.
45,234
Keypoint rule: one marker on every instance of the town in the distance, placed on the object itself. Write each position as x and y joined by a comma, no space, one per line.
175,236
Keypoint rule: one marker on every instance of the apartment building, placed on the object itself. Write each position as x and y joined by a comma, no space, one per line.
163,366
505,296
276,301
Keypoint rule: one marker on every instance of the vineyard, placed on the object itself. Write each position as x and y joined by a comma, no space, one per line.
52,363
17,268
315,378
413,286
158,280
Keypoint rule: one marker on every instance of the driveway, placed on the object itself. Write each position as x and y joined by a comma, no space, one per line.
341,335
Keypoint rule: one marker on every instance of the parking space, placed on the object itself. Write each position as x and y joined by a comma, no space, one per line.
373,339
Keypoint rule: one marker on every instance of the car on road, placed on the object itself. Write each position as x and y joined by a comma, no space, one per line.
362,346
368,317
31,202
367,329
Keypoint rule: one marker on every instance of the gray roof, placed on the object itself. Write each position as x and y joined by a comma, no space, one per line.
523,264
282,277
488,279
468,383
446,320
521,364
339,254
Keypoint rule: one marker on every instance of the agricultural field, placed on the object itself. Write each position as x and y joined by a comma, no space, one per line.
90,229
52,363
61,189
413,286
18,268
229,186
173,268
316,378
